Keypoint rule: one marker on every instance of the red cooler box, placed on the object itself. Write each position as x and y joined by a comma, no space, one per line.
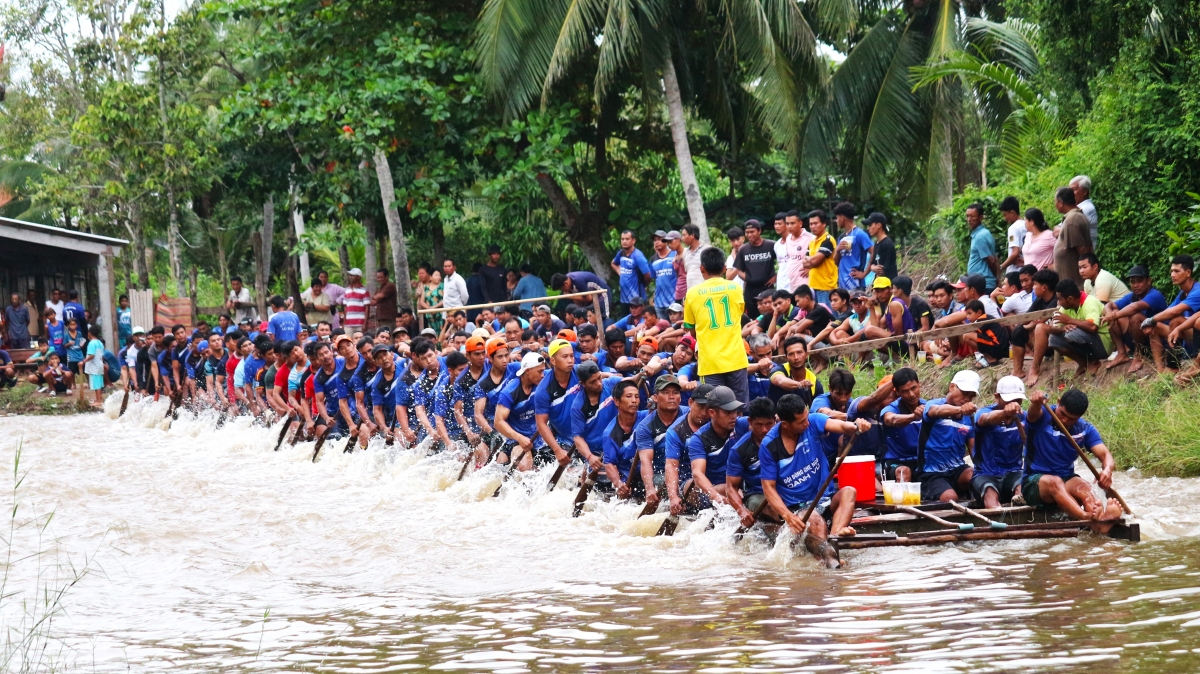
858,472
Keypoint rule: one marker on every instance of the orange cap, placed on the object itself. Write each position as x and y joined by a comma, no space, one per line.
476,344
651,340
494,344
567,334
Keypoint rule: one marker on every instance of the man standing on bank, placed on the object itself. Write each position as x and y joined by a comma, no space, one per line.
713,311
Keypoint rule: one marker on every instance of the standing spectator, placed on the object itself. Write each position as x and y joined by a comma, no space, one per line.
662,266
783,276
581,281
16,323
317,303
1074,237
475,290
56,303
632,268
455,293
429,295
822,266
884,262
93,365
530,287
284,324
691,254
982,258
336,294
712,310
240,304
854,249
356,299
1098,283
495,277
736,238
1010,210
35,316
755,263
795,248
1081,186
384,299
1038,249
73,309
124,321
73,343
675,243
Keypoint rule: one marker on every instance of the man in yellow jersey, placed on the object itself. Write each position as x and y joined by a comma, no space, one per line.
713,311
823,269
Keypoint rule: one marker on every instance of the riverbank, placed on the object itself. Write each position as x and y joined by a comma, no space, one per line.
25,399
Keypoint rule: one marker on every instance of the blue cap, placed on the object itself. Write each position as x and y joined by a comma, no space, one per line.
202,345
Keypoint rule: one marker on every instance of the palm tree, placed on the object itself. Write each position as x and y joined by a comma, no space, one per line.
764,51
894,129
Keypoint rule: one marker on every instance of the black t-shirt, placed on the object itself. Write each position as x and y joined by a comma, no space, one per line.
885,256
757,261
820,317
1039,303
495,285
919,308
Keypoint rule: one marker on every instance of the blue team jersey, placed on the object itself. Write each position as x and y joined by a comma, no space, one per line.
74,310
619,449
1191,299
634,267
708,445
521,412
589,421
252,364
744,463
326,384
358,383
651,433
1050,451
799,475
557,401
675,446
998,449
901,441
56,336
489,389
383,393
1155,301
947,443
855,258
285,325
663,270
443,403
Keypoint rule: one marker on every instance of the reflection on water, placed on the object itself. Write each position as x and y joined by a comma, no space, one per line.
216,553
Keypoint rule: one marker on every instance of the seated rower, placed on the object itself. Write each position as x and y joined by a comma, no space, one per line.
1000,445
794,376
678,471
902,427
485,396
838,403
743,486
649,438
591,414
515,415
792,467
708,450
948,434
1051,478
619,451
449,432
554,398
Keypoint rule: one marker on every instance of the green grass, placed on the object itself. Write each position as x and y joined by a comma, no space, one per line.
24,399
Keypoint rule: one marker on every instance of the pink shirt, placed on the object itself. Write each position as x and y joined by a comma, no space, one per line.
797,252
1039,249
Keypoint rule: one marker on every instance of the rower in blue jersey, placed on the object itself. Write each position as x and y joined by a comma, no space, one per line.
650,436
743,483
422,372
484,397
792,468
1000,445
591,413
949,425
902,427
708,450
515,416
677,470
839,403
350,386
383,389
462,395
449,431
619,451
554,399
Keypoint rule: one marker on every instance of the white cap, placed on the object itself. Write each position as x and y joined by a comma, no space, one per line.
355,272
967,381
481,332
138,330
1010,388
529,361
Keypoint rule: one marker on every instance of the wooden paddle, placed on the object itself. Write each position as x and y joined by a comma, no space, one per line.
124,403
967,511
512,467
559,471
287,422
964,526
847,443
349,448
392,430
1108,491
741,531
580,498
320,441
672,522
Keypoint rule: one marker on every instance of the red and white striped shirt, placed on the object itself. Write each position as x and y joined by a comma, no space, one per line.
356,301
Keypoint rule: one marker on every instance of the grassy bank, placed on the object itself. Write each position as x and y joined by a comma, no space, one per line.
24,399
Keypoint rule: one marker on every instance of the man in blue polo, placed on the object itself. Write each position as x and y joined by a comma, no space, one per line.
650,436
708,450
554,400
662,268
945,474
632,268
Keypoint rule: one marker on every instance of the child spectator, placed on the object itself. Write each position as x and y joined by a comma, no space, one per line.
93,364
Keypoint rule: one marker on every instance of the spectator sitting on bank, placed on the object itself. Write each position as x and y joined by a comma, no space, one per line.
1125,316
1099,282
1045,281
1079,332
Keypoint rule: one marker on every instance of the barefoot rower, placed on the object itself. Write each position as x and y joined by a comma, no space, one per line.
743,485
948,434
650,436
515,414
1000,445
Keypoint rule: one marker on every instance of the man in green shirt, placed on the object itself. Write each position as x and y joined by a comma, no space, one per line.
1077,331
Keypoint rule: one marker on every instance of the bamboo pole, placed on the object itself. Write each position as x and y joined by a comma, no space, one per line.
586,293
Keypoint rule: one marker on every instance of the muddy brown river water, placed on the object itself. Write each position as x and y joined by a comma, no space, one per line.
206,551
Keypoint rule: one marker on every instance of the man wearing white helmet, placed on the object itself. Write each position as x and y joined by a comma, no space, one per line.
516,416
1000,445
946,440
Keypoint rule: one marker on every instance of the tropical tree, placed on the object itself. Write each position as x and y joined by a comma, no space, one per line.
762,51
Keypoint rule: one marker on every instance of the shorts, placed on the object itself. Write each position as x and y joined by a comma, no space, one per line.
1019,337
1031,494
933,485
992,342
95,382
737,380
822,509
1084,345
755,502
1005,485
890,466
542,454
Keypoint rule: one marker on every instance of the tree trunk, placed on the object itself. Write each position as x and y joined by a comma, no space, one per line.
588,234
369,255
257,247
173,242
344,262
437,237
387,193
293,282
683,153
224,267
140,266
173,214
262,254
298,227
192,292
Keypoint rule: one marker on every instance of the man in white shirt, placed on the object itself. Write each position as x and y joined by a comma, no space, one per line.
1082,187
796,244
1010,210
240,305
736,238
1015,293
692,247
455,292
1100,283
56,303
783,269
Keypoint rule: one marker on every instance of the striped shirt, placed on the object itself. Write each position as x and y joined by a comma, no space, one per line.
356,301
